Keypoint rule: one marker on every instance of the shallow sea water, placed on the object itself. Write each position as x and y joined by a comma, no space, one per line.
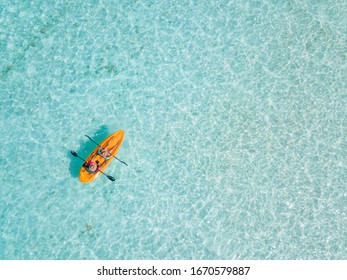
235,129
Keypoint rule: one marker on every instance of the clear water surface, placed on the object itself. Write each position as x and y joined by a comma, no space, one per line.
235,129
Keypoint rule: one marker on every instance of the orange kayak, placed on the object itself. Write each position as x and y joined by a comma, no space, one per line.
112,143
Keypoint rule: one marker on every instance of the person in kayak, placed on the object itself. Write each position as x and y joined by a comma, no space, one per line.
105,153
92,166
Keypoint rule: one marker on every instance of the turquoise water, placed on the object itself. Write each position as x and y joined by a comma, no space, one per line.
235,129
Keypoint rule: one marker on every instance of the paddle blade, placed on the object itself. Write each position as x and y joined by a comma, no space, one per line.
74,153
111,178
120,160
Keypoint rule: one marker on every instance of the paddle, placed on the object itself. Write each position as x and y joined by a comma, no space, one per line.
101,148
108,176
